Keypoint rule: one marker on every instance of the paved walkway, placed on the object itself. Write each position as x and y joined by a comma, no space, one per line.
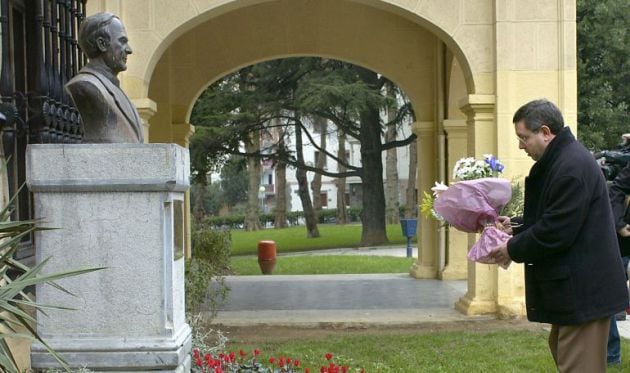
346,300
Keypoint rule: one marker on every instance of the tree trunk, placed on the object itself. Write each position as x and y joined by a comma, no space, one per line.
411,206
391,164
252,221
199,210
280,212
280,219
319,124
300,174
342,213
373,212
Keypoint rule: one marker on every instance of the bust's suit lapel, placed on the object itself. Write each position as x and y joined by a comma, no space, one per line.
126,108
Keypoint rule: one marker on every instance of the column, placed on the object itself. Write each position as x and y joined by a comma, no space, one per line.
426,266
482,278
457,242
181,133
147,109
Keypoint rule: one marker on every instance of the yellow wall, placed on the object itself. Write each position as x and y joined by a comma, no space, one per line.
474,61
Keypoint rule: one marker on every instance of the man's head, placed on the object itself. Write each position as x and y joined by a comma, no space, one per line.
536,124
102,36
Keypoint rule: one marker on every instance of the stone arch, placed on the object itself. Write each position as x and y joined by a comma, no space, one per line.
461,25
499,66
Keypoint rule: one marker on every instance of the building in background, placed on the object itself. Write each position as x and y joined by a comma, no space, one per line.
354,191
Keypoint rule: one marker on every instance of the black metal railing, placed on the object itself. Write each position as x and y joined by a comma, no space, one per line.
39,55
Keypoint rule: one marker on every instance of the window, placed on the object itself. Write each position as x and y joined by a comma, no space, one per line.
324,199
39,55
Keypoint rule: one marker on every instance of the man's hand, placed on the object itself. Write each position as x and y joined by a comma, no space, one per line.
501,255
504,224
625,231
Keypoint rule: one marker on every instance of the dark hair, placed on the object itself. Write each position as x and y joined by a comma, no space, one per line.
538,112
92,28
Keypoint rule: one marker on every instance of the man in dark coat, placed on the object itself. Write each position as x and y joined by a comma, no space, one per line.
574,277
619,189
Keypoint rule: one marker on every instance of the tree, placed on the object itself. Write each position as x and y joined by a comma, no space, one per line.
319,125
280,212
391,162
603,48
410,195
342,213
252,146
206,200
300,175
352,99
234,180
348,96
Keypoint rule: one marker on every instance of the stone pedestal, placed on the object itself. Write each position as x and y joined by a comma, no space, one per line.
119,206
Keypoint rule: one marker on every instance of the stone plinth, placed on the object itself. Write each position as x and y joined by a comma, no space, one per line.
119,206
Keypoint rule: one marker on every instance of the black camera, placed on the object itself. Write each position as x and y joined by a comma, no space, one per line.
612,161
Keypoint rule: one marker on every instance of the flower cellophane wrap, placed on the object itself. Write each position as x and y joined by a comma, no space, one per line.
474,205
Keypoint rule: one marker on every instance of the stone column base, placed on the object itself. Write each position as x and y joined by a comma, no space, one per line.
453,273
471,306
515,309
422,271
116,354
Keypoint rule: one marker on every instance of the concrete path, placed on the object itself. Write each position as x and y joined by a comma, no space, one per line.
339,299
346,300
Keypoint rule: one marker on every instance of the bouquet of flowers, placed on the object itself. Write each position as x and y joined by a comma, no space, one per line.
473,203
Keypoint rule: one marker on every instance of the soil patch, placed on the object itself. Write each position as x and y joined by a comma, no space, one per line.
268,333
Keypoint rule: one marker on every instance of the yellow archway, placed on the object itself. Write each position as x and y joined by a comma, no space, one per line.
466,66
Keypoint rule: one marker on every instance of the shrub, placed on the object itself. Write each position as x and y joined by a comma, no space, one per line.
237,221
214,246
209,262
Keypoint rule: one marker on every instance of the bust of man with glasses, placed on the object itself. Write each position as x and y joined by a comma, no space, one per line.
107,113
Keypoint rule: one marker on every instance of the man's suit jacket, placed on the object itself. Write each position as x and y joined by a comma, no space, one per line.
107,113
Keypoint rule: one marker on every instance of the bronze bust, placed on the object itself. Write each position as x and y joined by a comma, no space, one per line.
107,113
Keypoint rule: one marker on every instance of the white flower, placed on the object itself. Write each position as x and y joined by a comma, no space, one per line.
470,168
438,188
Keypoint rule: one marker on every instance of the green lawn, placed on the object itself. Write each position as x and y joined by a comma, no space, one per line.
294,238
454,351
329,264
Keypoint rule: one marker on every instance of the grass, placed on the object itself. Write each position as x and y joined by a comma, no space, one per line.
293,239
329,264
452,351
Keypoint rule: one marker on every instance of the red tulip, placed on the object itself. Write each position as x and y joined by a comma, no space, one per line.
296,363
256,352
329,356
306,370
272,360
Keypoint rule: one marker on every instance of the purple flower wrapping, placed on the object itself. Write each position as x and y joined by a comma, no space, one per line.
470,206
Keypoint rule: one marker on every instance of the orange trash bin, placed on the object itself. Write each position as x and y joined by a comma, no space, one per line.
267,256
